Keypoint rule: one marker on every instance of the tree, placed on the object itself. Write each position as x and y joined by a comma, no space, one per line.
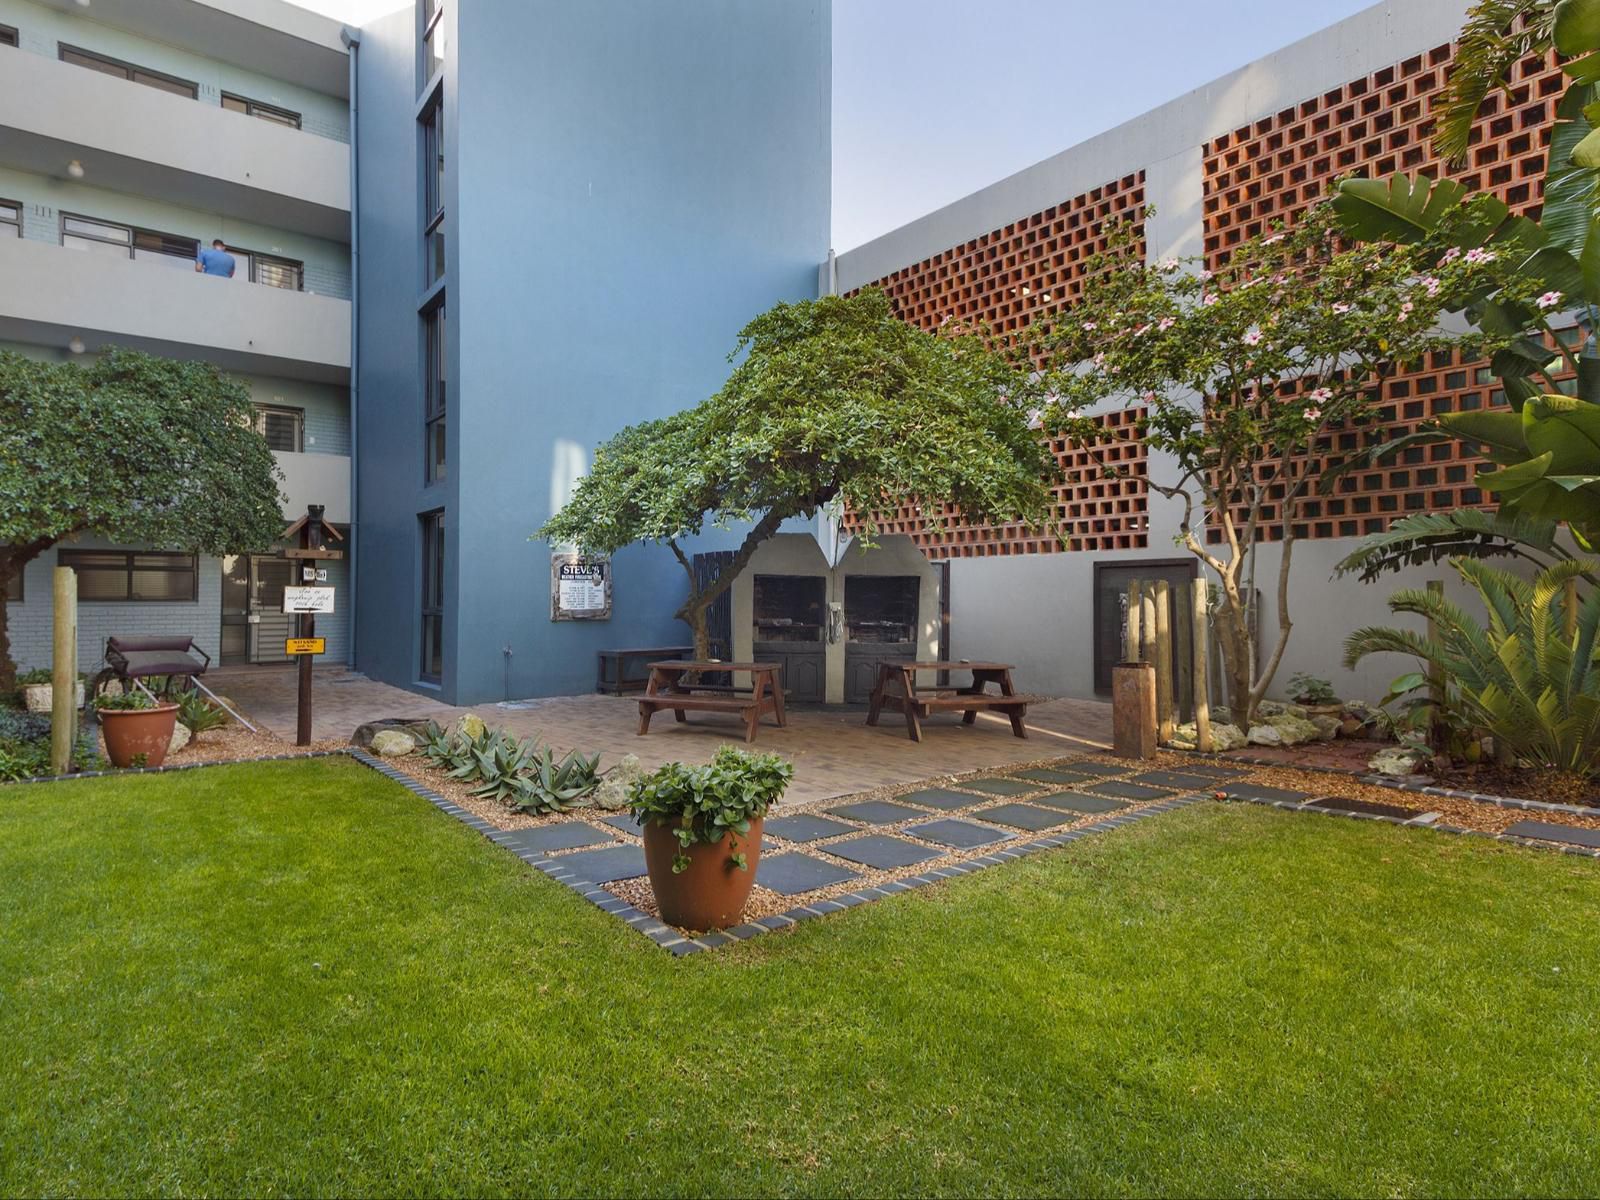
136,449
1251,379
836,402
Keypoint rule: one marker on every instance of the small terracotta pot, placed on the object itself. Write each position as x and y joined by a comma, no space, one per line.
712,893
130,732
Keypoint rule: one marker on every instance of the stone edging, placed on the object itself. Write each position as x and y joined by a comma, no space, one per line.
671,939
112,772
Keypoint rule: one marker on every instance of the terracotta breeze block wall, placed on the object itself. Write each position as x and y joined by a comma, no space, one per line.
1003,279
1273,169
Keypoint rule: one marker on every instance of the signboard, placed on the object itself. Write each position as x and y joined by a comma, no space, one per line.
310,552
580,588
308,599
305,645
314,574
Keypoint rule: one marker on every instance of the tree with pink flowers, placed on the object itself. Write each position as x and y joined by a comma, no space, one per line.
1258,378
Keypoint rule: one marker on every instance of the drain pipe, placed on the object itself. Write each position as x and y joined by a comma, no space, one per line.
351,38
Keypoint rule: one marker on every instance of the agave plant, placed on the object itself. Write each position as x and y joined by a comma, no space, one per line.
439,745
551,787
1530,677
502,765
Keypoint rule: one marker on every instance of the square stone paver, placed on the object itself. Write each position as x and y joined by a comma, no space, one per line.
792,873
877,812
1549,831
1182,780
1001,787
605,865
1077,802
1124,790
1026,816
624,821
1256,791
963,835
1340,804
941,798
806,828
1056,775
882,852
1213,771
1096,768
569,835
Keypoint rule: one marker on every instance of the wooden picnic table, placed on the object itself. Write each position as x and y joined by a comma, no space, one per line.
667,689
615,678
897,689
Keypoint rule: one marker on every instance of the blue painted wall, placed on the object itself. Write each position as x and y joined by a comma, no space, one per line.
630,182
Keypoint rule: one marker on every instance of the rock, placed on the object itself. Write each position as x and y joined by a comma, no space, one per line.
1397,760
612,794
471,726
1276,708
1295,730
1221,714
41,697
1184,737
180,738
1264,735
1350,727
415,726
1226,737
1327,727
392,743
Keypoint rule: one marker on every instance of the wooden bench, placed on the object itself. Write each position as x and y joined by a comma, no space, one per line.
613,678
897,689
667,689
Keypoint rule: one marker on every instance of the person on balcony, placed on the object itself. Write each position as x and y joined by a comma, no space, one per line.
215,261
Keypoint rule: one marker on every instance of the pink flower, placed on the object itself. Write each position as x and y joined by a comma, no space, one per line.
1341,309
1210,299
1479,255
1549,300
1149,397
1313,415
1169,265
1090,326
1432,285
1099,360
1141,331
1405,310
1165,324
1321,396
1205,276
1253,338
1451,254
1274,239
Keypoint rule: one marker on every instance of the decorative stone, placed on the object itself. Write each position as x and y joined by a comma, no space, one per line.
180,738
1397,760
471,726
1327,728
612,794
1264,735
40,697
1294,730
392,743
1223,737
1350,726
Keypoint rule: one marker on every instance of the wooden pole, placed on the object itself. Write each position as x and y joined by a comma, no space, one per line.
1163,609
1202,677
1132,651
1147,621
1435,674
64,671
310,538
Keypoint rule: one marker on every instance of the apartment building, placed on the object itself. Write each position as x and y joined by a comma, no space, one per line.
132,134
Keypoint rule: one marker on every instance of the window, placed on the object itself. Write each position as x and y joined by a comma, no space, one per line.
139,575
267,112
433,192
268,269
433,38
8,36
10,219
124,70
433,427
432,666
126,241
284,428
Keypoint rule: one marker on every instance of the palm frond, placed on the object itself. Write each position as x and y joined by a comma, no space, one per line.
1496,35
1423,539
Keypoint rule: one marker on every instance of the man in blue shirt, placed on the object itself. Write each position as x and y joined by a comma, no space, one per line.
215,261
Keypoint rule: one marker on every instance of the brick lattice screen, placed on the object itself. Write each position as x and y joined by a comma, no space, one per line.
1003,280
1274,168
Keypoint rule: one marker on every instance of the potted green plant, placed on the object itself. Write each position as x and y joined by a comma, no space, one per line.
38,694
1315,695
137,729
702,833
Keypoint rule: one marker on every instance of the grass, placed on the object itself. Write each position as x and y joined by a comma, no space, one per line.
297,978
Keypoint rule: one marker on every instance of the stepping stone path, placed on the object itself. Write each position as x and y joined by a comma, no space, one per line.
877,812
941,798
623,821
1181,780
1079,803
1256,791
962,835
1549,832
882,852
1001,787
1026,816
1129,791
1340,804
1056,775
567,836
792,873
606,865
806,828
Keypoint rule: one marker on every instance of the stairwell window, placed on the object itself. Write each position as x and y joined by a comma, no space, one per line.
266,112
435,459
433,192
8,36
433,38
125,70
10,219
431,668
284,428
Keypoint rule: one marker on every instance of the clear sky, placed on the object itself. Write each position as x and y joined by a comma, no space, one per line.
933,99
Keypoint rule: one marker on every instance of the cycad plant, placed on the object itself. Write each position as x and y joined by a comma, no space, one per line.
1530,677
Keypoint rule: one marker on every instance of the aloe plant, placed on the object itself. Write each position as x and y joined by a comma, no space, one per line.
1530,677
551,787
503,765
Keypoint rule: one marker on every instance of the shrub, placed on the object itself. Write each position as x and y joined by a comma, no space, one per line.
1310,689
199,714
25,746
704,804
550,787
132,700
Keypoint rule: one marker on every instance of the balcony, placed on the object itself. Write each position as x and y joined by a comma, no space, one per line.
138,139
315,479
50,295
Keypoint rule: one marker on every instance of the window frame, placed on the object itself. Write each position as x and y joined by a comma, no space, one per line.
298,415
435,394
133,233
13,222
65,558
430,598
261,110
129,70
16,581
8,36
255,257
429,25
434,262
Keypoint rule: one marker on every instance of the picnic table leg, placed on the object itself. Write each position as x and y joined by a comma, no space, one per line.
676,686
777,700
908,686
969,716
646,708
1016,714
875,706
752,716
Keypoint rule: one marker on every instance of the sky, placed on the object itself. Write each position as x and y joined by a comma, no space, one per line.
934,99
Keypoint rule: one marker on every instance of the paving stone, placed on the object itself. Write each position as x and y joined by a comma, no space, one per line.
1079,803
961,834
605,865
1130,791
806,828
877,812
1341,804
1211,771
568,835
1256,791
1181,780
1025,816
1001,787
1550,832
941,798
623,821
792,873
1097,768
882,852
1056,775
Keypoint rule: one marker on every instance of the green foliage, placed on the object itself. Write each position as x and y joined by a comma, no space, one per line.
710,802
519,774
1523,677
1420,539
1415,716
132,700
25,746
1311,689
199,714
552,787
34,677
501,764
1490,44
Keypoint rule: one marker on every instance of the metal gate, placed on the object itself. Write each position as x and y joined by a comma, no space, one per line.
254,625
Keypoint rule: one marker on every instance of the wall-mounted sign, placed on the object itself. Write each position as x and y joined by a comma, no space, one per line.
314,574
308,599
311,645
580,588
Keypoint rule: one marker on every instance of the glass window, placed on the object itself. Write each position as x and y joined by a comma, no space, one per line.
165,248
284,428
433,193
123,70
434,387
10,219
432,660
118,575
8,36
433,38
268,269
266,112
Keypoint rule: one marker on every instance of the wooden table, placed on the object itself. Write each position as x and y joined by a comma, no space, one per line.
613,677
667,689
897,689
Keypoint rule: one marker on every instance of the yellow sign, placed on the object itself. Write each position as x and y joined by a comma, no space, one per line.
305,645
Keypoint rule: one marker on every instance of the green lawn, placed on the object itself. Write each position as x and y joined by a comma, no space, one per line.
294,979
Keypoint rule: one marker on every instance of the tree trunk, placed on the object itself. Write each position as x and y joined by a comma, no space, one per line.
696,618
8,669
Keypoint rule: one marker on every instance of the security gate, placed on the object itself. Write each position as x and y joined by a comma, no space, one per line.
254,625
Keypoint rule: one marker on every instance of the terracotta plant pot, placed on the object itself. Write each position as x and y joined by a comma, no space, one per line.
712,893
130,732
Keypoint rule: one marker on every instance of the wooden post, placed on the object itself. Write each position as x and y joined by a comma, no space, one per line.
311,538
1133,710
1435,675
1202,676
64,671
1132,651
1147,621
1163,607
